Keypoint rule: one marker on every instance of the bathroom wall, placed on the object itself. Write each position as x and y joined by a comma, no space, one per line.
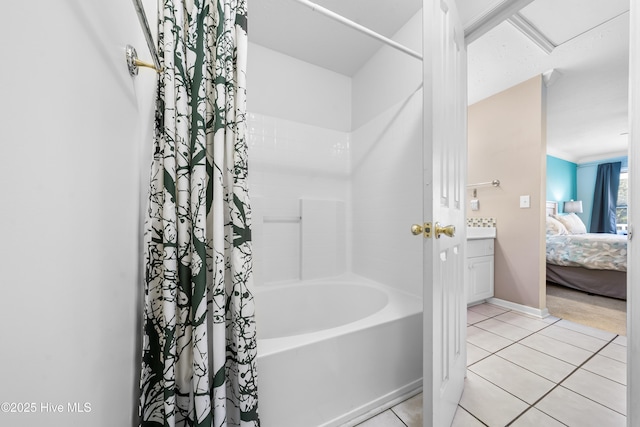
507,141
76,150
386,165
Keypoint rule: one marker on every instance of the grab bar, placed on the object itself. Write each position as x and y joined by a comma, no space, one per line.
292,219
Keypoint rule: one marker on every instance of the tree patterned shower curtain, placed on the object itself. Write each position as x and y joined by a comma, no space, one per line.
199,341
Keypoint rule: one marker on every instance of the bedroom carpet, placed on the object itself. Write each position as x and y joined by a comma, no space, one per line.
604,313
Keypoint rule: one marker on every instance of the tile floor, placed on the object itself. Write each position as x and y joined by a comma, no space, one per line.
524,371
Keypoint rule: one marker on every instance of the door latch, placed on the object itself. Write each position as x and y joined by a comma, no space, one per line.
424,229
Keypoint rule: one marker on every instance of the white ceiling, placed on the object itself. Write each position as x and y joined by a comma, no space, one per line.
296,30
586,101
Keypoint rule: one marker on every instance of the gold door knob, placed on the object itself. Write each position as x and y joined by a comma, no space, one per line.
424,229
448,230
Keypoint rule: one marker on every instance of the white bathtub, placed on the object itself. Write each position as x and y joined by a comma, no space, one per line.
331,351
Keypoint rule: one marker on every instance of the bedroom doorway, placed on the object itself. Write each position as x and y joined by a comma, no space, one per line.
629,322
633,299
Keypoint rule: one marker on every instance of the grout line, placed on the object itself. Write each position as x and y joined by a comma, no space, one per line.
594,373
514,342
607,378
477,419
398,417
518,341
563,380
494,354
556,384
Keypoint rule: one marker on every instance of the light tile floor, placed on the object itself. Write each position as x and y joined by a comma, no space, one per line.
524,371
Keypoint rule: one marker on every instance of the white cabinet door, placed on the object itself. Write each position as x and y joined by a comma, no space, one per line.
479,270
480,278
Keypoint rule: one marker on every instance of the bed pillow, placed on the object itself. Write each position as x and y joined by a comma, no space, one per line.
572,222
555,227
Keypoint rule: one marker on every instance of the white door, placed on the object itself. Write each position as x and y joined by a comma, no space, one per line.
445,147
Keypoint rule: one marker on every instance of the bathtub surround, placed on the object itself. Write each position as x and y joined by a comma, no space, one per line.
336,182
298,239
367,157
199,344
386,165
300,92
323,243
299,184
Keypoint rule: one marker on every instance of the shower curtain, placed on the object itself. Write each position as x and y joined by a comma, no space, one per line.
199,339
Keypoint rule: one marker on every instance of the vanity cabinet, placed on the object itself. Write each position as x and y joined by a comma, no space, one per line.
479,269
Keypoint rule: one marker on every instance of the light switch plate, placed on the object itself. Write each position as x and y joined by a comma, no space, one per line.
475,204
525,202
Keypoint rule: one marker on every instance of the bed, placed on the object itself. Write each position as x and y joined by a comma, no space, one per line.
591,262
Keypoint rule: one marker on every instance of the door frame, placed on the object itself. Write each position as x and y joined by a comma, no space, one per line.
633,253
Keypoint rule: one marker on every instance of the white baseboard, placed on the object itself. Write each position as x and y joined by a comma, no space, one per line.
519,307
371,409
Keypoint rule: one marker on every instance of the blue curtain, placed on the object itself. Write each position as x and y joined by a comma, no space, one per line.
605,198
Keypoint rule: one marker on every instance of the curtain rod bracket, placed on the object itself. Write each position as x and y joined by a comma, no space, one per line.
133,63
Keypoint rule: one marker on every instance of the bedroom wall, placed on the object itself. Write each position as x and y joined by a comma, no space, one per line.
586,180
507,141
562,183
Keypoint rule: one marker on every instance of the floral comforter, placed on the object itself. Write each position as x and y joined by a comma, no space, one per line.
598,251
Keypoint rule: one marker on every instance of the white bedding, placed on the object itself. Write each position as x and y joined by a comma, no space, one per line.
598,251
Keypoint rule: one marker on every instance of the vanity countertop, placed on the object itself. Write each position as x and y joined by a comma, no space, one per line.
474,233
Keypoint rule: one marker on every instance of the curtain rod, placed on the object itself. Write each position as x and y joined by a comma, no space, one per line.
142,17
339,18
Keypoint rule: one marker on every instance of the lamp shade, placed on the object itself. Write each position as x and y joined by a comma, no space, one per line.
573,206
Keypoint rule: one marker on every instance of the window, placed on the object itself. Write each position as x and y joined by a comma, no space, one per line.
621,206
